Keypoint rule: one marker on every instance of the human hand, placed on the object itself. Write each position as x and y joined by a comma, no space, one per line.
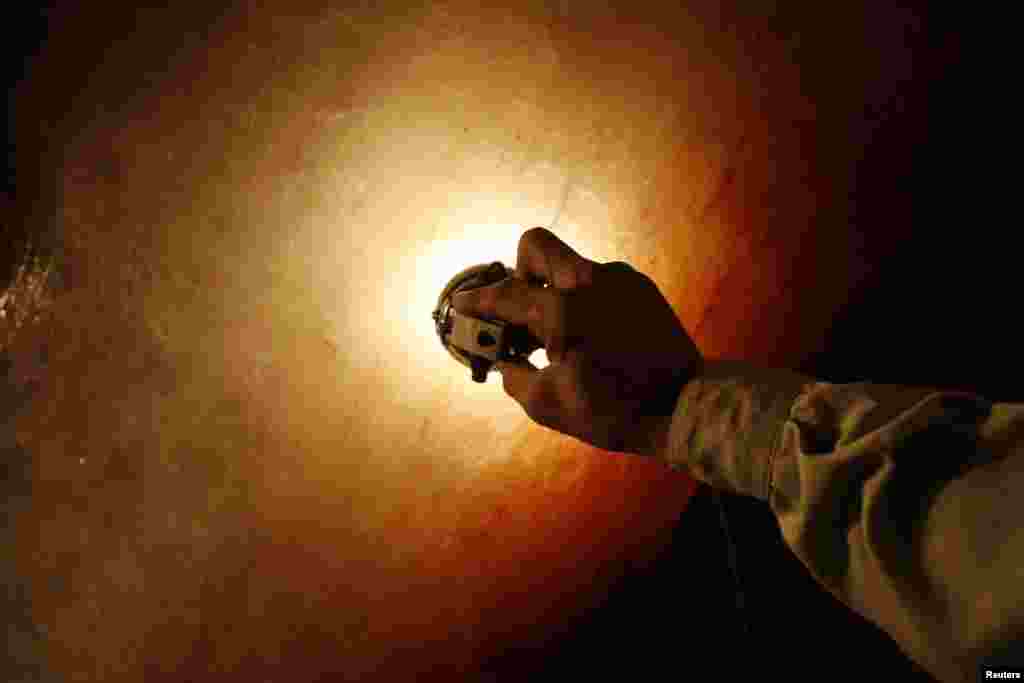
618,354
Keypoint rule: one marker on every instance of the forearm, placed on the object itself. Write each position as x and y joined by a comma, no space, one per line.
726,422
897,499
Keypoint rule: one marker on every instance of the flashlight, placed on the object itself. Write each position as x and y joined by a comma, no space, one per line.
479,343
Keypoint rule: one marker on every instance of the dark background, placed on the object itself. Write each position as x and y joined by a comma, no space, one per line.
939,307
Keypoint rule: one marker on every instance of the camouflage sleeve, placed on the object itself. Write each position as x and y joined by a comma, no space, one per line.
899,500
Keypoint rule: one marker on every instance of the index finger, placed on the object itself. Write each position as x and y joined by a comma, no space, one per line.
512,300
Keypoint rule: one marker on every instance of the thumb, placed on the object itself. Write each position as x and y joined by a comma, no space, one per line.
518,377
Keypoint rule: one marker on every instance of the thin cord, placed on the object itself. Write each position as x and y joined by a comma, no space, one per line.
730,546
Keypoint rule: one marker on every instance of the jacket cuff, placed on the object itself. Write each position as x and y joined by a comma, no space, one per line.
728,422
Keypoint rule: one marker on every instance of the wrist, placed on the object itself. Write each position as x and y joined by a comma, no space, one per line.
656,432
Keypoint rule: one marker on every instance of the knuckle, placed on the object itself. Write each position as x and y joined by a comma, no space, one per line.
533,235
